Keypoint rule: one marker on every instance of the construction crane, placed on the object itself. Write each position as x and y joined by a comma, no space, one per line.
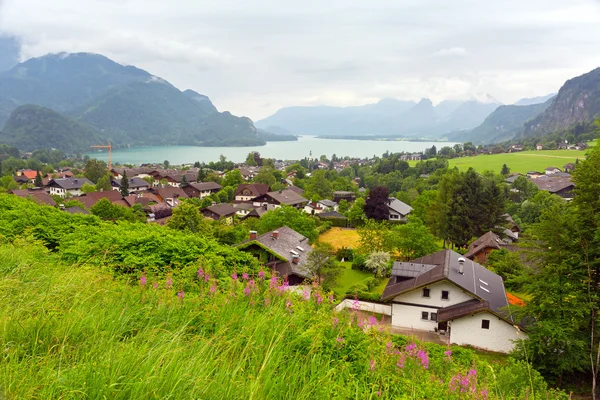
109,154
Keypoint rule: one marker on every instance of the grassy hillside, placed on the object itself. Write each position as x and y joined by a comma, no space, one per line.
75,329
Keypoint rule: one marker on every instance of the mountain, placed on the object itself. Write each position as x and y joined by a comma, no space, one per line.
9,52
534,100
126,105
33,127
503,124
577,101
388,117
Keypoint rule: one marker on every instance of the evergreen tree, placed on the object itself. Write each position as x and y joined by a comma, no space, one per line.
124,189
505,170
184,181
201,174
38,179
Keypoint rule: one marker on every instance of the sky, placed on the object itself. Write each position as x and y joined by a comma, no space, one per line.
252,57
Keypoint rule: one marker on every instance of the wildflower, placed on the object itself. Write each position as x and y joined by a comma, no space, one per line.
472,372
400,363
288,306
335,321
181,295
372,321
356,305
206,277
251,283
361,323
422,355
245,276
379,393
448,353
484,394
247,291
319,298
330,298
372,365
200,273
411,348
169,283
267,301
340,341
143,280
261,274
273,281
389,346
155,285
234,276
306,295
213,288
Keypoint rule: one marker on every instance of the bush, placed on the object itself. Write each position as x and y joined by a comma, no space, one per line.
359,261
345,253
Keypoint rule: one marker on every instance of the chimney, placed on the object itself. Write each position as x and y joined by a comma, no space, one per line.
296,259
253,235
275,235
461,265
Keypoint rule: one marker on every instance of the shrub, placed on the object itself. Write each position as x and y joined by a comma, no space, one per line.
344,253
358,262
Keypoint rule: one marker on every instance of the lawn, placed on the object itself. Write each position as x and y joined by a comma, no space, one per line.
353,276
518,162
341,237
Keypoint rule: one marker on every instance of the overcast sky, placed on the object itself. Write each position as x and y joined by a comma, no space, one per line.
253,57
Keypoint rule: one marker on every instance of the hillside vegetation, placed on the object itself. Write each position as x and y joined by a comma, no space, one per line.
178,325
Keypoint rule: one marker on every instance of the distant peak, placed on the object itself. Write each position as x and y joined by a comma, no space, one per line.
425,102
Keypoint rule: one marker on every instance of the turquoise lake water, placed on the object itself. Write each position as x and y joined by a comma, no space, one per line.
277,150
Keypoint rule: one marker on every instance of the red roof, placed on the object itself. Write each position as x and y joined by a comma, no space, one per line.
29,173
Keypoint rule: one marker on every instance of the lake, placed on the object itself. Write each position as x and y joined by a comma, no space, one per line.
278,150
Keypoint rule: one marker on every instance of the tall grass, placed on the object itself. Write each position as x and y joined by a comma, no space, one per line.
73,332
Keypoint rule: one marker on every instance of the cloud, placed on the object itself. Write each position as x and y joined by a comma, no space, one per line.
451,52
256,56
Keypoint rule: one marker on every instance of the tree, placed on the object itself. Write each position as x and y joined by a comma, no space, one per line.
343,206
411,240
318,186
378,263
201,174
376,206
250,160
187,217
373,237
184,181
322,266
38,179
266,176
87,188
356,214
166,164
505,170
291,217
104,183
124,189
233,178
213,177
95,169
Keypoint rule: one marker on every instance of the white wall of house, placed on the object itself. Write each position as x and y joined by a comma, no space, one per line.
58,191
384,309
409,315
205,193
499,337
394,216
243,198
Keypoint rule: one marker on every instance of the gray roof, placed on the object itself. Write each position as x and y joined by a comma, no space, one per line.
480,282
69,183
203,186
288,241
328,203
553,183
134,183
287,196
222,209
512,178
399,206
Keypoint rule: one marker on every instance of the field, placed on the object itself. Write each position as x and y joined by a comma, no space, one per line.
352,276
341,237
518,162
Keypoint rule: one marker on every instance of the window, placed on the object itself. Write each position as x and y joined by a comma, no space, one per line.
424,315
425,292
485,324
394,216
433,316
445,295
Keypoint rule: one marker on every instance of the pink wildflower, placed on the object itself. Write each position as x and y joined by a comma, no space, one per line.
340,341
372,365
424,358
273,281
155,285
448,353
247,291
143,280
356,305
400,363
411,349
200,273
306,295
169,283
319,298
288,306
245,276
234,276
330,298
213,288
379,393
251,283
181,295
206,277
335,321
261,274
372,321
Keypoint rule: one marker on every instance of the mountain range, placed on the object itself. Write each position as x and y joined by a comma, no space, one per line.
388,117
106,101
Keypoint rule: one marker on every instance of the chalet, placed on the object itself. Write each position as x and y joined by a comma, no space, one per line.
135,184
552,170
220,212
243,209
250,191
282,197
411,157
158,213
340,195
512,226
539,147
141,172
559,185
296,189
398,210
30,174
446,293
579,146
284,251
67,186
21,179
480,249
201,189
90,199
259,211
248,173
38,195
515,148
170,195
142,198
512,178
534,174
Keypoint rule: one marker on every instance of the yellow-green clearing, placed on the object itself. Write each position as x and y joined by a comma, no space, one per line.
518,162
341,237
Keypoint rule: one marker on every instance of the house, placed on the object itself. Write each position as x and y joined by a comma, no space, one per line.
135,184
30,174
141,172
220,212
90,199
296,189
169,194
398,210
559,185
446,293
64,187
512,178
250,191
243,209
281,197
284,251
158,213
534,174
512,225
480,249
37,195
340,195
21,179
259,211
318,207
201,189
579,146
539,147
570,167
142,198
515,148
248,173
552,170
